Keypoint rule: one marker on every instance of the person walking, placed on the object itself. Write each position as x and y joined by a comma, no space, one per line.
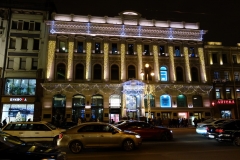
4,122
79,121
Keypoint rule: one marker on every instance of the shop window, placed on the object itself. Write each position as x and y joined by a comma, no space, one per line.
131,103
97,48
20,86
79,72
131,72
17,112
165,101
224,58
194,74
163,74
179,72
181,101
97,100
130,49
12,44
78,108
151,100
24,43
10,62
162,50
61,71
97,72
35,44
58,109
218,94
114,72
177,51
115,101
214,58
114,48
146,50
166,115
226,114
197,101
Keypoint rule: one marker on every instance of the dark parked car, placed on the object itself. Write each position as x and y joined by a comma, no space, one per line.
147,131
228,132
13,148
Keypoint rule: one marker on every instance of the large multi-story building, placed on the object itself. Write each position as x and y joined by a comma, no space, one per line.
223,70
100,68
22,38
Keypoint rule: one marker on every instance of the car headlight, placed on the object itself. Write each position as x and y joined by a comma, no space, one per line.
171,131
137,136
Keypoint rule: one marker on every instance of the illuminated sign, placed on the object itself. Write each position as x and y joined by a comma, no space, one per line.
18,99
221,101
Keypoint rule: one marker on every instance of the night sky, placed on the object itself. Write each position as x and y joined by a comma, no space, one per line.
221,18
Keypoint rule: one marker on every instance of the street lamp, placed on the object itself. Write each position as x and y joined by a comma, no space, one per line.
148,71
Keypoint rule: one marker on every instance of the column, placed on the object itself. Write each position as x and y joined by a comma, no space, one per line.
140,65
123,61
88,60
202,65
156,63
172,73
124,110
51,57
106,59
70,58
187,66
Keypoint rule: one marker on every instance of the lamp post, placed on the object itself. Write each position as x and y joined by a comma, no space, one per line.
148,71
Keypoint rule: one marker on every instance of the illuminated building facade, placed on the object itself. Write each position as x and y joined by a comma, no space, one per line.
94,66
223,71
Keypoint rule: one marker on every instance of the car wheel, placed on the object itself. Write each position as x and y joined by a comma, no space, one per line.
236,141
165,136
75,147
128,145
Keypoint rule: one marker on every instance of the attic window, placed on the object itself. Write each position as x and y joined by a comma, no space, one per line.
130,13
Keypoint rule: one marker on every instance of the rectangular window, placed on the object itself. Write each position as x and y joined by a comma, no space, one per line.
218,94
214,58
236,76
31,26
114,48
25,25
162,50
130,49
12,43
35,44
23,63
37,26
79,47
224,58
20,25
146,50
226,75
234,59
34,63
228,94
10,62
238,93
14,24
24,43
191,52
216,75
177,51
97,48
62,47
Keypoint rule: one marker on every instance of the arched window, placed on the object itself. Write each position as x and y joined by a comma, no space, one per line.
97,72
163,74
179,72
78,107
115,101
197,101
114,72
97,100
131,72
152,100
181,101
194,74
165,101
97,108
58,109
61,71
79,71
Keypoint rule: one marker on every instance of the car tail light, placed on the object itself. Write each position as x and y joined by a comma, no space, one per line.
219,130
60,136
207,128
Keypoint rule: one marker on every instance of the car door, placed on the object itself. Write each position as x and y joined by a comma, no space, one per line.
41,132
89,135
146,130
109,137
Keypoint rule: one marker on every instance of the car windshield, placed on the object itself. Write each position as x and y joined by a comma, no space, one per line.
51,126
9,140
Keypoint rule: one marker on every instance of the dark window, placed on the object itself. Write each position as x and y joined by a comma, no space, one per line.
131,72
192,52
97,72
31,26
234,58
37,26
97,48
34,63
12,43
79,73
24,43
214,58
177,51
179,72
25,25
162,50
79,47
20,25
216,75
130,49
224,58
114,72
10,63
14,24
61,71
22,63
194,74
114,48
146,50
36,44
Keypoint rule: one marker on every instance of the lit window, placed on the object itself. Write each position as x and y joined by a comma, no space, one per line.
163,74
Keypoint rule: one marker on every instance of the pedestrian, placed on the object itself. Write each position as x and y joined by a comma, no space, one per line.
4,123
195,121
79,121
29,119
112,122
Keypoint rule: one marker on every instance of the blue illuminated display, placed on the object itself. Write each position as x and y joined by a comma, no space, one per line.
165,101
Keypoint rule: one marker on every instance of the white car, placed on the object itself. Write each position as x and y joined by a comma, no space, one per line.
203,126
33,131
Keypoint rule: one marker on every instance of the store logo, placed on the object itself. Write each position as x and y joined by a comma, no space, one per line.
18,99
225,101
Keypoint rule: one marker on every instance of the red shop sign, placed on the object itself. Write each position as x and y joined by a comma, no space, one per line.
221,101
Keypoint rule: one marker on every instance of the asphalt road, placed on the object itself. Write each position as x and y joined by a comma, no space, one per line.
187,145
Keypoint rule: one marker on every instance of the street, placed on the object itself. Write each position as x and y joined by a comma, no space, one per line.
186,145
